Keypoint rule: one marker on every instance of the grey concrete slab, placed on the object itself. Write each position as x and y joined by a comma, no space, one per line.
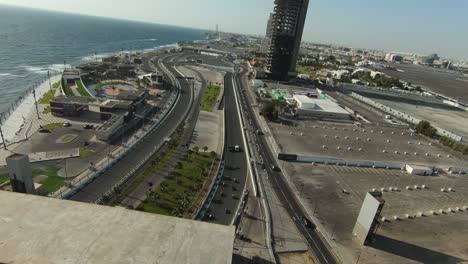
206,133
42,230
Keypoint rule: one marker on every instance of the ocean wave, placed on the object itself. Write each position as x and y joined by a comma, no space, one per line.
100,56
44,69
10,75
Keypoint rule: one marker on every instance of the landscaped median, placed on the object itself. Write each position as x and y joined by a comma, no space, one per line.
179,190
210,97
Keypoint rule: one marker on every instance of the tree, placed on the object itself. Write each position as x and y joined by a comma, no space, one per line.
269,110
179,165
213,154
425,128
205,148
196,149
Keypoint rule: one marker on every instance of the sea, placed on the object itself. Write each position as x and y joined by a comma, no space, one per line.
35,42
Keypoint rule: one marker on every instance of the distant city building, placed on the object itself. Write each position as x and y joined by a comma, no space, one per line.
429,59
288,25
391,57
20,173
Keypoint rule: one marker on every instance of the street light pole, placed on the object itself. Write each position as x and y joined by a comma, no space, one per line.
37,107
3,138
50,84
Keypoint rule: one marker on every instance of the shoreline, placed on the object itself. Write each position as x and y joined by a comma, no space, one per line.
19,115
14,124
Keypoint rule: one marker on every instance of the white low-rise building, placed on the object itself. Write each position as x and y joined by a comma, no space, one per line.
304,102
319,108
419,170
257,83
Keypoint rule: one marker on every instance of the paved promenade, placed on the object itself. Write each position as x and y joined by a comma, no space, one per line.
17,122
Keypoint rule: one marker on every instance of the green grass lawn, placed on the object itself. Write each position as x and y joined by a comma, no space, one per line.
53,126
56,85
4,178
47,97
154,165
85,152
67,91
53,182
68,138
82,89
47,110
178,191
209,99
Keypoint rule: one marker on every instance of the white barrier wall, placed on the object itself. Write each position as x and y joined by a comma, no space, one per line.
404,116
356,163
457,170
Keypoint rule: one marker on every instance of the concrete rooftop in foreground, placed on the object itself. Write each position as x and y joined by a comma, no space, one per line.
36,229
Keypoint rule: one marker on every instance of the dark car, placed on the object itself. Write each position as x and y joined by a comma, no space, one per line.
275,168
67,125
43,130
308,223
88,127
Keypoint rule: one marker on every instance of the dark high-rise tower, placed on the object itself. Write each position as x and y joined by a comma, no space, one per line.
287,27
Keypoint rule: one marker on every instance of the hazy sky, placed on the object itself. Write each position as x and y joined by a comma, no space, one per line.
421,26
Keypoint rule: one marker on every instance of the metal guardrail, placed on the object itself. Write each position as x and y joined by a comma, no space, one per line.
209,198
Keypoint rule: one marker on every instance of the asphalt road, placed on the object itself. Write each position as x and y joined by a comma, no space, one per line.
452,84
94,190
281,187
229,196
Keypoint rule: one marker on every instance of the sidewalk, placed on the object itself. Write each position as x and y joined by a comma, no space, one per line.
17,122
252,226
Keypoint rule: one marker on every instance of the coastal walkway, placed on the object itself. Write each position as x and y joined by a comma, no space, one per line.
17,122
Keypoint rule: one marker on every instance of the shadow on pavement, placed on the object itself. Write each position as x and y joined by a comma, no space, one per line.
411,251
238,259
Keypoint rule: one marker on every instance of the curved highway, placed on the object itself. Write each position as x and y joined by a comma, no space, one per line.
95,189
